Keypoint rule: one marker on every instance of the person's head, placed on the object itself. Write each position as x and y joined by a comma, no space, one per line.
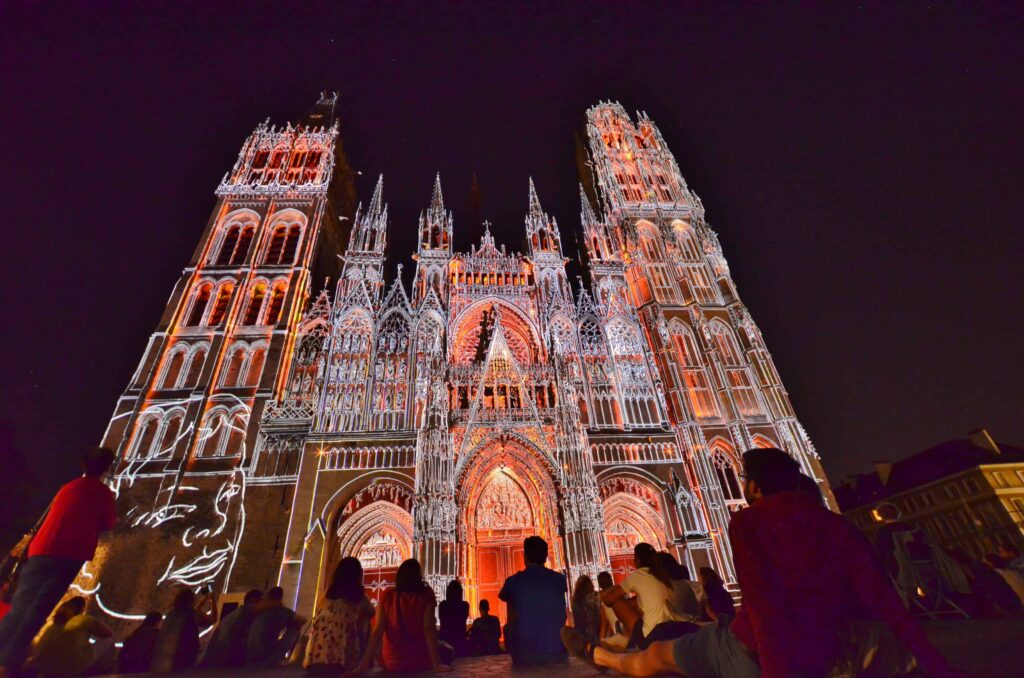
97,461
769,471
644,555
485,607
252,597
672,566
710,579
1008,551
72,607
535,550
347,583
454,591
409,578
184,599
604,580
152,620
584,588
275,594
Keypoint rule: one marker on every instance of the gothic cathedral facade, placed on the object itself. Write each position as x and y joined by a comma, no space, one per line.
272,429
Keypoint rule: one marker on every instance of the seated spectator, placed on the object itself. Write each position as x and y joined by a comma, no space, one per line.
485,634
341,628
609,622
274,631
64,647
653,589
717,601
454,613
798,598
580,638
686,601
536,609
404,629
227,646
177,644
1010,555
137,652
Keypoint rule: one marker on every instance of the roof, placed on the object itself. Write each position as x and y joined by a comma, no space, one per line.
935,463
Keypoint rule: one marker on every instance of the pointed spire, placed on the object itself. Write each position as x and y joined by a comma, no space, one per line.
586,211
535,209
376,206
437,200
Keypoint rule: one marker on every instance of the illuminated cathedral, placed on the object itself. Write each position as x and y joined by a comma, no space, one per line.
273,427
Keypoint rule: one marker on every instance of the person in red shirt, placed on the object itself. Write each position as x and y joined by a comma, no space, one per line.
65,541
805,573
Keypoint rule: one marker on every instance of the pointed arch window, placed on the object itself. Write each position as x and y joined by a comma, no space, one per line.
213,435
146,435
695,376
255,371
241,250
391,373
195,368
235,436
276,247
220,304
234,366
725,472
276,304
172,430
175,361
252,311
740,382
291,245
228,245
200,300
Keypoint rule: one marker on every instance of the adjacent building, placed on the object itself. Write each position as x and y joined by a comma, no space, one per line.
966,494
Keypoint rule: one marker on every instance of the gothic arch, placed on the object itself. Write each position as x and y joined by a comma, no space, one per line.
234,237
634,511
762,441
521,332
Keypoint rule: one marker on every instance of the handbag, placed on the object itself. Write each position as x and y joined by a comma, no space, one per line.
14,562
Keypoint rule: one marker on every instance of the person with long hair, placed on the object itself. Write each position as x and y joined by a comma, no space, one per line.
686,595
404,627
341,628
454,613
177,643
585,632
718,604
652,585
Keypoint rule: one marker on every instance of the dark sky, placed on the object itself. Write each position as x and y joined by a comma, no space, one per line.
862,166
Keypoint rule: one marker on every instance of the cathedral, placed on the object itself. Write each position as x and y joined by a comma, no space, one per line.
276,424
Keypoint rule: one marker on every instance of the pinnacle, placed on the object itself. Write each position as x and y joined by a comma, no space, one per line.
586,211
437,199
374,210
535,208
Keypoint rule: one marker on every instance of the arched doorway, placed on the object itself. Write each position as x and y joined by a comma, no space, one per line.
632,514
375,526
506,495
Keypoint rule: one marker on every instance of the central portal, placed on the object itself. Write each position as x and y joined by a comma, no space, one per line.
508,498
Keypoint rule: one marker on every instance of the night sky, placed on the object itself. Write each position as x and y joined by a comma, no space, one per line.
862,166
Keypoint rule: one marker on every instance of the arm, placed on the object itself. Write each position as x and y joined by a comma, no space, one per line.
430,631
374,643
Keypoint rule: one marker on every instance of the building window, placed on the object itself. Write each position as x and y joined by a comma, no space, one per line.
698,385
728,479
255,370
199,302
145,437
171,432
195,368
173,369
275,305
220,306
283,245
234,367
252,311
999,479
970,486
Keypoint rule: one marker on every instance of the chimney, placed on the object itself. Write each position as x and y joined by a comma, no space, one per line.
884,470
982,439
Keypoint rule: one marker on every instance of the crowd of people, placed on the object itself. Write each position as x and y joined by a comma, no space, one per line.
817,600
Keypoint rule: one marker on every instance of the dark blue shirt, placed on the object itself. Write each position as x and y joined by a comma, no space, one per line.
536,599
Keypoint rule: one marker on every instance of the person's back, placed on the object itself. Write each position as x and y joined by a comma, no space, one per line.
453,615
405,640
228,644
268,630
805,572
81,510
177,644
137,651
536,599
485,634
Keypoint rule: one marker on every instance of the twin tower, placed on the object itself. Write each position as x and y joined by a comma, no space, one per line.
272,428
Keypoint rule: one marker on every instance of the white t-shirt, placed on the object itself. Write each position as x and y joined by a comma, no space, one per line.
654,598
686,600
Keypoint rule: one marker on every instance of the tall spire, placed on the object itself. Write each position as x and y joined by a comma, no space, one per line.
587,215
437,200
535,209
374,210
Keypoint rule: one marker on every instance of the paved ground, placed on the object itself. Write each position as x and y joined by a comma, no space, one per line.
987,648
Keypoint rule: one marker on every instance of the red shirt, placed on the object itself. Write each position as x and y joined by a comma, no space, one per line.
81,510
803,571
405,641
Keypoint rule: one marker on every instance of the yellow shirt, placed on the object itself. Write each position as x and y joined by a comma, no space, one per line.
65,650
